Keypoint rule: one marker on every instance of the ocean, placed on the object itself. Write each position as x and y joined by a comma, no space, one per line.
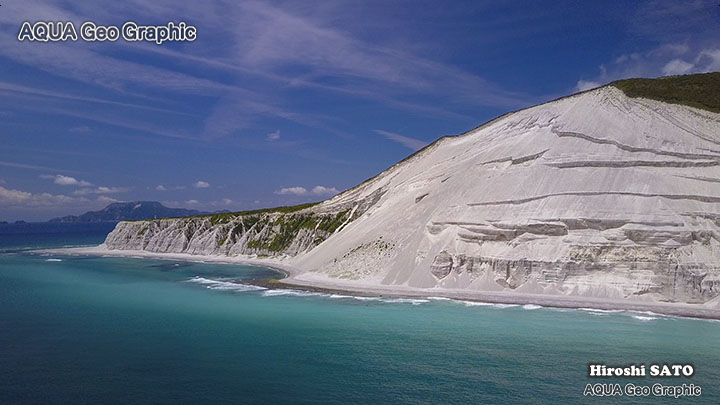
77,329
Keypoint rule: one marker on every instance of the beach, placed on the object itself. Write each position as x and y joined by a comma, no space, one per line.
318,284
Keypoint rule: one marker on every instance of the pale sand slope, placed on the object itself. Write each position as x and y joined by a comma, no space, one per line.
596,195
709,310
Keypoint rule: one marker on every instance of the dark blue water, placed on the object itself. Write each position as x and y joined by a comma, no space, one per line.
89,330
26,236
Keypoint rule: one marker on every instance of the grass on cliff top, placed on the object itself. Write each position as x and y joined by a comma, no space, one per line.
226,216
699,90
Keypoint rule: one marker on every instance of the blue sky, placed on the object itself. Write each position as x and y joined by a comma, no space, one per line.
279,103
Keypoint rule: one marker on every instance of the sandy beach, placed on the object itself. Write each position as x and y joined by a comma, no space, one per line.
703,311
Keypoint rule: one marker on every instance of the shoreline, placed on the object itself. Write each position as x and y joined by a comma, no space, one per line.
289,282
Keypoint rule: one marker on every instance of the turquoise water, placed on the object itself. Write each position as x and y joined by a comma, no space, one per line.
85,330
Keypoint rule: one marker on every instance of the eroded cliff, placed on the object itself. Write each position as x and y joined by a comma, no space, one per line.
596,194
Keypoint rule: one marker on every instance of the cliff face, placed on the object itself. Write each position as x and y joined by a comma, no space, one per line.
596,194
288,231
266,234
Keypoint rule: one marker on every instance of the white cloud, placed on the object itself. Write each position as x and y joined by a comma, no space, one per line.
61,180
322,190
227,201
709,59
583,85
664,60
100,190
292,190
24,199
677,67
273,136
201,184
13,196
298,190
405,141
162,187
192,202
106,199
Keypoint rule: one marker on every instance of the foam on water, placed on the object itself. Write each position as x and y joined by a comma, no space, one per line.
289,292
53,260
484,304
300,293
339,296
646,315
644,318
414,301
224,285
487,304
597,311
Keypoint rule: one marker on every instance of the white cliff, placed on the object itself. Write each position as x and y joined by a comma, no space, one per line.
595,194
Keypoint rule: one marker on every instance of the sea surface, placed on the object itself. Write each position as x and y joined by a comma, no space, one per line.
77,329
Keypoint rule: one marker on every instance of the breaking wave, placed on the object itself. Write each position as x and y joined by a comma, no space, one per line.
639,315
646,315
487,304
300,293
224,285
644,318
288,292
596,311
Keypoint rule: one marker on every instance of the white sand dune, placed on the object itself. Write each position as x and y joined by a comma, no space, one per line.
596,197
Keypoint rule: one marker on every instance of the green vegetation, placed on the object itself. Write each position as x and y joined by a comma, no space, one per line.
699,91
287,228
333,224
228,216
245,224
269,232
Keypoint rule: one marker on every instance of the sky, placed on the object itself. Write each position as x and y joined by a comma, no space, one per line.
285,102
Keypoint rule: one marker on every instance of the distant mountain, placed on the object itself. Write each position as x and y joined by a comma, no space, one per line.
129,211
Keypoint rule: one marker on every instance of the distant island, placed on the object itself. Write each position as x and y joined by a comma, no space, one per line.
133,210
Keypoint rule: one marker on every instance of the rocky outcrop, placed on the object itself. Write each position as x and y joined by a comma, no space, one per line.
285,231
262,234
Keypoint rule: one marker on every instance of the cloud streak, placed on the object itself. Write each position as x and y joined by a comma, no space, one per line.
406,141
